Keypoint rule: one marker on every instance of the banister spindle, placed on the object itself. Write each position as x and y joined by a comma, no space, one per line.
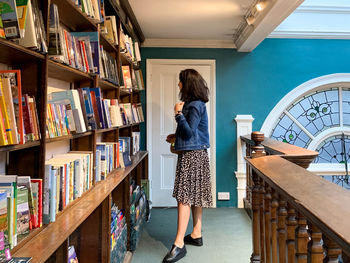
282,235
257,151
255,257
291,226
315,249
267,215
333,251
302,238
262,221
274,207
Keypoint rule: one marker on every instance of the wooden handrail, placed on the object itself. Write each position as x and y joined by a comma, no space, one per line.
300,156
297,216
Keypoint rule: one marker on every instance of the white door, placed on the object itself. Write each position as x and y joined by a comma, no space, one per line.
162,94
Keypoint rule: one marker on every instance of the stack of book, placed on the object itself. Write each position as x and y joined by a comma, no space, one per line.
131,113
67,177
109,29
80,50
76,111
132,78
129,47
19,122
22,22
113,155
20,209
93,8
118,235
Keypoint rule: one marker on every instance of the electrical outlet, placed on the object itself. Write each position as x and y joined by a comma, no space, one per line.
224,196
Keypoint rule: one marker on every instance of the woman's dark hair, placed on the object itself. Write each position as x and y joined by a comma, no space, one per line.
194,86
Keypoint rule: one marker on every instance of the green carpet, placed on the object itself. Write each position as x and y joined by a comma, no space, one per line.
226,237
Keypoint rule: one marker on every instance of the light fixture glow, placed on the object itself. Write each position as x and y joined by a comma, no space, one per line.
260,6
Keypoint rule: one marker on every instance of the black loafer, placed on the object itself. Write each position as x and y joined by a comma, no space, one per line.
193,241
175,254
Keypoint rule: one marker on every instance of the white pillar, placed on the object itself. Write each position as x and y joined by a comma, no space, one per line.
244,127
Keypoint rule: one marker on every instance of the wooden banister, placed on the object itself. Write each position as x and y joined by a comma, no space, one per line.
300,156
297,216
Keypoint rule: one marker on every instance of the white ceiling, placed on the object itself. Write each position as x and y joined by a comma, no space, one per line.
190,19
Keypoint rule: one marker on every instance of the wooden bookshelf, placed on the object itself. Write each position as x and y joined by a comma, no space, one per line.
45,243
26,55
85,222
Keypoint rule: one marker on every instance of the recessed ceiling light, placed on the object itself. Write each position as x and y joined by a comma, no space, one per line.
260,6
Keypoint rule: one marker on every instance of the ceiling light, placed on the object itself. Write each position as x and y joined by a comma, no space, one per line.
250,19
260,6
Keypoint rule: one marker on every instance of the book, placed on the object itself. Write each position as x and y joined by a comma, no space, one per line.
8,11
126,76
25,181
6,84
9,184
2,31
4,222
37,187
72,256
22,11
16,91
23,216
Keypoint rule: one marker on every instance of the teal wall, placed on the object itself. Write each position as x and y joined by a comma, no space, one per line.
252,83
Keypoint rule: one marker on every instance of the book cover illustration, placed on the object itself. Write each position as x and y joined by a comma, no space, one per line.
9,18
72,256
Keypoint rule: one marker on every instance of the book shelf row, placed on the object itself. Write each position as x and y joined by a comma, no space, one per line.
82,70
44,243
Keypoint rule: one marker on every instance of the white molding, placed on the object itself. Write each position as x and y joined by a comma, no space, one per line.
188,43
309,34
277,11
326,134
324,169
323,9
241,188
212,63
332,80
244,127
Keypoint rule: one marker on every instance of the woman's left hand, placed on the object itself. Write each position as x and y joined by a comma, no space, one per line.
178,107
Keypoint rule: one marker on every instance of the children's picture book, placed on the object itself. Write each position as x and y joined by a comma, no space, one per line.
72,256
19,260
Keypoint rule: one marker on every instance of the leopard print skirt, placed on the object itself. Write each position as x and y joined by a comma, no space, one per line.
192,182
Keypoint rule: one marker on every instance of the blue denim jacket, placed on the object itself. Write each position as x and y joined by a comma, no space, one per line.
192,127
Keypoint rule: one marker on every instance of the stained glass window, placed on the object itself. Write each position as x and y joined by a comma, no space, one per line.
346,106
318,111
287,131
314,113
331,150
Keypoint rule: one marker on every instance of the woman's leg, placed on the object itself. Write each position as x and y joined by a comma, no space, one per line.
197,222
183,215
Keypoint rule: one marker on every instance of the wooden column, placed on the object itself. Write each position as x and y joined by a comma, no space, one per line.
333,251
274,207
302,238
315,251
267,215
282,235
257,151
291,226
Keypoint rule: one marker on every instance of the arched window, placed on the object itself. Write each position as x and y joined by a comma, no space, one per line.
316,116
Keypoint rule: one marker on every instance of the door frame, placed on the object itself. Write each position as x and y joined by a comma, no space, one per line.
212,100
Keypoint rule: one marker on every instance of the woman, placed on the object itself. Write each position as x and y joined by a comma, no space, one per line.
192,188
